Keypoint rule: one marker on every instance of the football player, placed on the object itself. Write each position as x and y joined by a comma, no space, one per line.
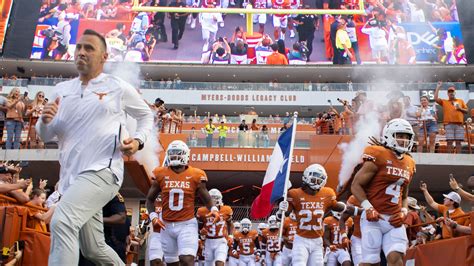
289,231
309,203
280,21
381,186
356,242
261,19
270,237
234,258
336,239
246,244
260,259
155,251
216,243
179,183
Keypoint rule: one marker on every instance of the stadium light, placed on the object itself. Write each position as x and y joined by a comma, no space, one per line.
249,11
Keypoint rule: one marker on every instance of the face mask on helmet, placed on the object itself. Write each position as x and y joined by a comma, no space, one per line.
246,225
315,180
272,222
398,135
336,215
314,176
216,197
177,157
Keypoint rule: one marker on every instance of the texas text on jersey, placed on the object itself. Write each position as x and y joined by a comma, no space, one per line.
178,192
392,177
310,209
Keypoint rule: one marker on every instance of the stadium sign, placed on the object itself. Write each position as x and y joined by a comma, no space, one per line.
243,159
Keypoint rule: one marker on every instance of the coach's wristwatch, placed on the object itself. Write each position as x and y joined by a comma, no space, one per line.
141,144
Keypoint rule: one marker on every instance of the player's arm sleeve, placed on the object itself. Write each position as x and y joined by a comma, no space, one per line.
133,104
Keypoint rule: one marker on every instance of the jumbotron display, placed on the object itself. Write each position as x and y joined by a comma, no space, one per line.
390,32
5,9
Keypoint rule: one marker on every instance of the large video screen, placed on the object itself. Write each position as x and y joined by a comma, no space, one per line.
5,8
391,32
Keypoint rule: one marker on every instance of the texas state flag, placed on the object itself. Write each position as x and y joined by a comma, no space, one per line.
275,177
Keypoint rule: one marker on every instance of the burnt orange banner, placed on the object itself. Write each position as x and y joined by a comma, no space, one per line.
455,251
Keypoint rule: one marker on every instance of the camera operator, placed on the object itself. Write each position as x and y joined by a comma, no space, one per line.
376,29
220,52
347,117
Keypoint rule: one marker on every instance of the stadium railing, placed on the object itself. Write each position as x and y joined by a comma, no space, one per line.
14,230
270,86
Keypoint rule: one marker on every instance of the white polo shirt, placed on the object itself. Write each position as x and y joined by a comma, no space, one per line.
90,125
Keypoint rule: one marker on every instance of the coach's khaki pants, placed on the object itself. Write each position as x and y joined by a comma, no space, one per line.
78,223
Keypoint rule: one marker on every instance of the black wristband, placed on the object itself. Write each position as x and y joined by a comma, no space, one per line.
141,144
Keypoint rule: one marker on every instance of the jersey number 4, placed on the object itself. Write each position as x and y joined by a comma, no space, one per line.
394,190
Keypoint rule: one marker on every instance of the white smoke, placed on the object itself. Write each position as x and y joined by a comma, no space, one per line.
368,125
148,156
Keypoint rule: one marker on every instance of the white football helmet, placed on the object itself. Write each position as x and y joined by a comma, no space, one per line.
272,222
177,153
390,139
246,225
237,226
261,227
315,176
336,214
216,196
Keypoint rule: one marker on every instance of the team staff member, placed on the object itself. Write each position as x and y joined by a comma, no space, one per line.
178,22
116,228
87,117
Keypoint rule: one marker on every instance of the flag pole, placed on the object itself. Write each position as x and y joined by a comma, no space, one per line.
287,178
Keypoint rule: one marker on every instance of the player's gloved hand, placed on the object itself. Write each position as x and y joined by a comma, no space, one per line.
203,232
234,252
372,215
230,240
283,206
158,224
214,213
345,242
333,248
397,219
